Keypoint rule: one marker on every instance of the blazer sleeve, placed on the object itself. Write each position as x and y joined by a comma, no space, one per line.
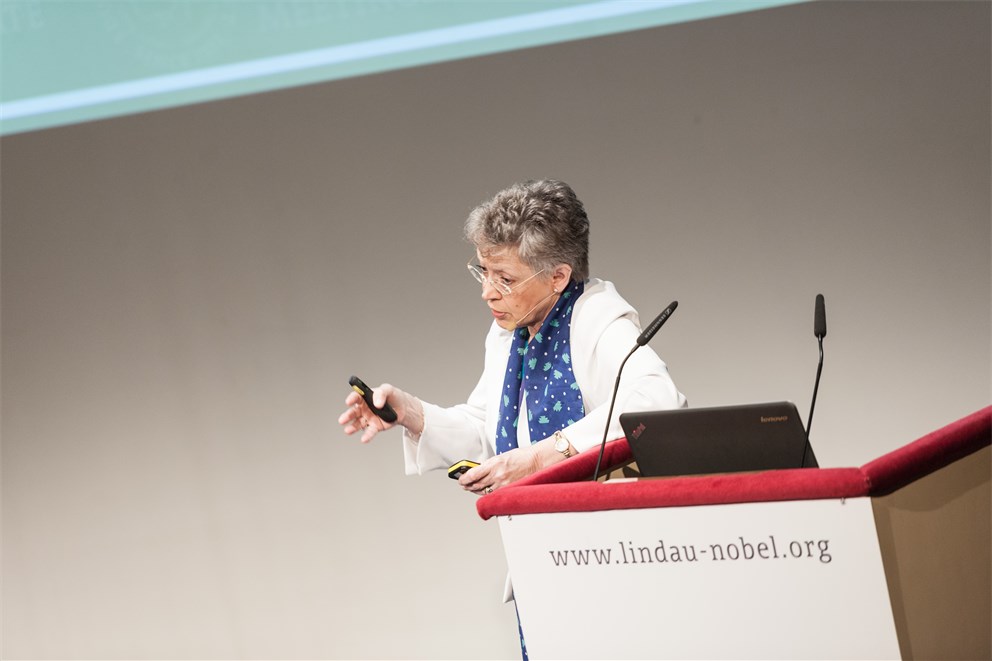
462,431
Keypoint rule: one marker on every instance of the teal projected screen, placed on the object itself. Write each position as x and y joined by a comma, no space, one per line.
67,61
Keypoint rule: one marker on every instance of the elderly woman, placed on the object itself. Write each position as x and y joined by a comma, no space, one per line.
552,354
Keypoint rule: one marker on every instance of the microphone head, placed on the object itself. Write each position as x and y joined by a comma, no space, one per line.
820,318
656,324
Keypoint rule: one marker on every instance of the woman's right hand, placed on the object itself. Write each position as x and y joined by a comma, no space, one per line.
360,418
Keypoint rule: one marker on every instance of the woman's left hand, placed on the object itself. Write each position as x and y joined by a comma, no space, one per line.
500,470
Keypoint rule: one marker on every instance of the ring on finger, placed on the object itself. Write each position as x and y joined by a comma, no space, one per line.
488,490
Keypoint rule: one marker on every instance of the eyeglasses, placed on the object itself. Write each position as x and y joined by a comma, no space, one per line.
502,285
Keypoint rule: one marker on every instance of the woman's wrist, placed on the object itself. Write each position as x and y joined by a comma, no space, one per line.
413,415
546,454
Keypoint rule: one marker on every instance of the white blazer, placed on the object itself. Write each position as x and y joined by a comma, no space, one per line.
604,330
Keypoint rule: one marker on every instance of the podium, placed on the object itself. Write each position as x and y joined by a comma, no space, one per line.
888,560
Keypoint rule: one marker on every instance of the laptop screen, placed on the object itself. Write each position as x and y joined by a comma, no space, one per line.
725,439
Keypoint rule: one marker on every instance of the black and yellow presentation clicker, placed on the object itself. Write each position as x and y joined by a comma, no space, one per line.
460,468
386,412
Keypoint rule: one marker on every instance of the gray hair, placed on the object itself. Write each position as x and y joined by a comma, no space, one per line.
543,220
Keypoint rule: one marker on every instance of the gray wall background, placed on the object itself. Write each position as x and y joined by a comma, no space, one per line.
186,292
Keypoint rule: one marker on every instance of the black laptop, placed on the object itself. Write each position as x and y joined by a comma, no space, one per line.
725,439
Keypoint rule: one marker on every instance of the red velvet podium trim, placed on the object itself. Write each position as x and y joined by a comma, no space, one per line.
567,487
930,453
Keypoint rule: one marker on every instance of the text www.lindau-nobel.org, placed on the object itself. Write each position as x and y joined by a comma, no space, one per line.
628,553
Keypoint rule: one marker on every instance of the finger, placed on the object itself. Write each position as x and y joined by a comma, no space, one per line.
354,426
480,487
352,415
351,418
372,426
474,475
381,395
355,411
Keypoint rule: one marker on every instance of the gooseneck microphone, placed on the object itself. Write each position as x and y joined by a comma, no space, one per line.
819,318
820,331
644,338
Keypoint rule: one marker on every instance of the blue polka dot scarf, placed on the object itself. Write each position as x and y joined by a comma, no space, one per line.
543,369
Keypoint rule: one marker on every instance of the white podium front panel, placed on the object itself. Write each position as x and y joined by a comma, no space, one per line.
780,580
